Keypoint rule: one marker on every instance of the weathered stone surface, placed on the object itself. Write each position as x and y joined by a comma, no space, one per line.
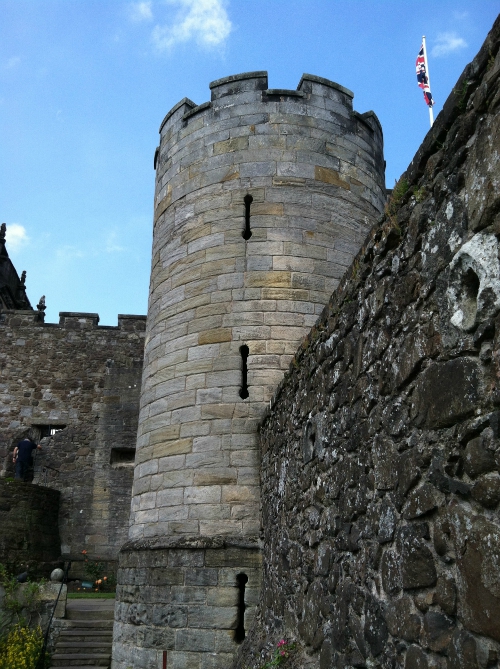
438,630
477,545
446,594
29,531
462,651
486,490
402,620
477,458
407,395
447,392
82,380
417,562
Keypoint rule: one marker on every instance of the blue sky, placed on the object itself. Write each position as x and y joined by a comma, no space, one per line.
84,85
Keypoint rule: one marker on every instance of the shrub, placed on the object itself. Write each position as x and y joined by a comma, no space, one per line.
21,648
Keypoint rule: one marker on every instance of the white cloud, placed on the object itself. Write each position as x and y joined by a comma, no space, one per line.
460,16
447,43
112,243
68,252
16,236
11,63
205,21
140,11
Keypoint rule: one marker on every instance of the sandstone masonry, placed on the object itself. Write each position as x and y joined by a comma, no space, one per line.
263,197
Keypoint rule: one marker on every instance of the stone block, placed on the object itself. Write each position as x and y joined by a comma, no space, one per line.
206,576
183,660
216,477
212,617
200,640
175,447
208,494
222,596
215,336
446,392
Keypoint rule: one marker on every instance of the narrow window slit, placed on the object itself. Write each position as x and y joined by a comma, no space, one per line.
239,632
247,233
244,351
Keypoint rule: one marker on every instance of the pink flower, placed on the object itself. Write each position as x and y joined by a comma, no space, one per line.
282,652
282,643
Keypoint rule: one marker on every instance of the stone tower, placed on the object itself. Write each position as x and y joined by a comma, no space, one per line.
263,197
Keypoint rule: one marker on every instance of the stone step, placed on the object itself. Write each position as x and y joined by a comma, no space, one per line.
80,659
86,634
82,646
96,613
90,624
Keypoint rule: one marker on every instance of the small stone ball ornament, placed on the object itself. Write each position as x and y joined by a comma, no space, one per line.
57,575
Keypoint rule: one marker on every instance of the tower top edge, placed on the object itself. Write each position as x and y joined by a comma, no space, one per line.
259,74
325,82
253,81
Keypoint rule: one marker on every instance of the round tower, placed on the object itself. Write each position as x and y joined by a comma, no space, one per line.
263,197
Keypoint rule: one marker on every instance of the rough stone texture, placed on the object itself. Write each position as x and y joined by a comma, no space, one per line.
29,531
182,600
306,173
86,379
382,441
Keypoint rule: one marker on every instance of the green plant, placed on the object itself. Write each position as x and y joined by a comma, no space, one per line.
462,95
18,599
95,572
398,192
420,194
21,648
281,653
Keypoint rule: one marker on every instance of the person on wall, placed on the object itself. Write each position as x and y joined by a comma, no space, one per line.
23,457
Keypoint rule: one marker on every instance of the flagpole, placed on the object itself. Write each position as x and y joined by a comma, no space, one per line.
431,113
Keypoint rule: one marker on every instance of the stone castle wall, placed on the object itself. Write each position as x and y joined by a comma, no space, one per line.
84,378
381,452
29,531
263,197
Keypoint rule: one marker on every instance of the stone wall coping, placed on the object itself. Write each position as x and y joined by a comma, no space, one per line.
77,314
196,110
285,91
259,74
195,543
366,115
133,317
325,82
80,315
184,101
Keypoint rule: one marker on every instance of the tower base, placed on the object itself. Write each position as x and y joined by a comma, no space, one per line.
184,603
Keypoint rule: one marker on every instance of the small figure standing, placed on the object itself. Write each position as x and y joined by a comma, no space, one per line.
23,458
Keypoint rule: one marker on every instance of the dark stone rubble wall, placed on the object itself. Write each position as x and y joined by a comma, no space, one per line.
380,454
29,531
87,378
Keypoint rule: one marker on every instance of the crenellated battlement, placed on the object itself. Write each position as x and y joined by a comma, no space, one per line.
249,87
70,320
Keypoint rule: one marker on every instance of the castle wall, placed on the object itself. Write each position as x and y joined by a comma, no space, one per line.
263,197
29,531
381,451
85,379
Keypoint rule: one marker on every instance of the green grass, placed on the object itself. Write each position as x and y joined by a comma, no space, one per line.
91,595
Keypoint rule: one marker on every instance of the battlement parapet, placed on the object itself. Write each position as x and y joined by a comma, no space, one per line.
71,320
249,87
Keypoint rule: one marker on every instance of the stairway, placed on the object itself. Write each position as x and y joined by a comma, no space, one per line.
85,641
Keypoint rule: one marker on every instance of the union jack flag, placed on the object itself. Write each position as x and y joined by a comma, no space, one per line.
422,79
